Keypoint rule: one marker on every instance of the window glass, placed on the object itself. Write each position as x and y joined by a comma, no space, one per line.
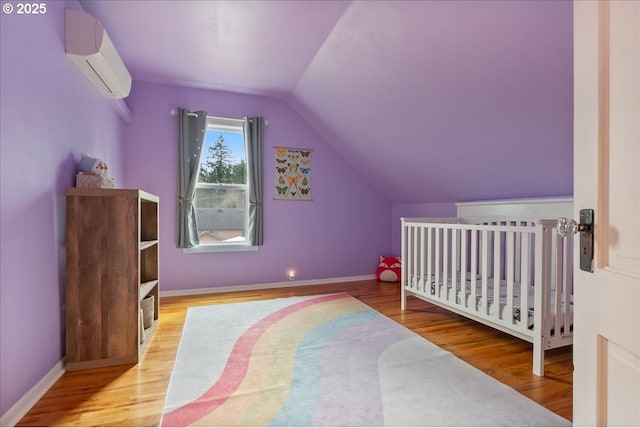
222,198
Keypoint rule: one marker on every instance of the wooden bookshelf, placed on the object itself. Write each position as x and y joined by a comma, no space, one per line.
112,264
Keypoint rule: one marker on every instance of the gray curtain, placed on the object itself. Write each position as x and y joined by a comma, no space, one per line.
253,131
191,128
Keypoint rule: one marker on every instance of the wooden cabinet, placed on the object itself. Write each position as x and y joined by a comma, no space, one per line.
112,264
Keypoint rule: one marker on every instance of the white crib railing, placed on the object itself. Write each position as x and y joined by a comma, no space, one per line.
512,275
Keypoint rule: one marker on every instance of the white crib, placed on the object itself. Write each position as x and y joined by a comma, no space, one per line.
499,265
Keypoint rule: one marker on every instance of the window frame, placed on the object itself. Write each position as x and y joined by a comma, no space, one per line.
221,124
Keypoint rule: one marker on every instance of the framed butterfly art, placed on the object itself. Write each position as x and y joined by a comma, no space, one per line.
292,174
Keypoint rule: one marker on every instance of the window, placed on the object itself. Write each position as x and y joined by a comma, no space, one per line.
222,196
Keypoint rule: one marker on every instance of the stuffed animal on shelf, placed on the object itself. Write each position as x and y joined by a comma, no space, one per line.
91,165
389,269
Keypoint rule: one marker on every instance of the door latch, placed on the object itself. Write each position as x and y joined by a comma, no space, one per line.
585,227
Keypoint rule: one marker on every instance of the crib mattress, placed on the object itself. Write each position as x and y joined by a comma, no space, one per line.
517,309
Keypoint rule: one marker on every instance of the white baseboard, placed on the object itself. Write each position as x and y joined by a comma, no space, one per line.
18,410
211,290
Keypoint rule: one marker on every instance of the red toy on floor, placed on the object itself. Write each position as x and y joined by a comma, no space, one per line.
389,269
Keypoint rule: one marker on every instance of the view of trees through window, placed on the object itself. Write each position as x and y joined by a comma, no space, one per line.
221,193
219,166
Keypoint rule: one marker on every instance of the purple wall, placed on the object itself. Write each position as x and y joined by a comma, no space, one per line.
340,233
49,114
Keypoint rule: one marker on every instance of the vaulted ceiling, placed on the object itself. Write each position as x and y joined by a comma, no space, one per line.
431,101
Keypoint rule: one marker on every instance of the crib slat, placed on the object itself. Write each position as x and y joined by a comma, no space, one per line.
485,272
423,260
463,269
437,263
567,287
557,305
416,252
517,244
422,280
429,260
510,257
410,266
445,263
546,291
496,275
408,235
525,278
474,270
454,266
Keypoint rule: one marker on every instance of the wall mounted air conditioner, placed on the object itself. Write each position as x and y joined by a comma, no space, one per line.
91,50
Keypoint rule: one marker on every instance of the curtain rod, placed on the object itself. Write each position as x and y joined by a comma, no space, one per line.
174,112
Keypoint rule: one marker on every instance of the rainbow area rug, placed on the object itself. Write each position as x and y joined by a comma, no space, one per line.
328,360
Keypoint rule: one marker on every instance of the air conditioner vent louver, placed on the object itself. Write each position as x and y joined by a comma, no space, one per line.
89,47
104,87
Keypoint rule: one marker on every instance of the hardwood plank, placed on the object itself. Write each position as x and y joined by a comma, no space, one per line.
134,395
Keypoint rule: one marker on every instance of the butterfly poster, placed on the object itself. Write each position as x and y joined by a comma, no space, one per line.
292,174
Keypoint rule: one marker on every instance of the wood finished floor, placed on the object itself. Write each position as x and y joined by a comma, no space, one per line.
134,395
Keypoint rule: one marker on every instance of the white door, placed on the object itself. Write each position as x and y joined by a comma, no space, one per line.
607,179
